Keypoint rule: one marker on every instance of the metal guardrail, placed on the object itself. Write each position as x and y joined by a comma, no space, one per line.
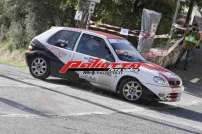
112,29
116,30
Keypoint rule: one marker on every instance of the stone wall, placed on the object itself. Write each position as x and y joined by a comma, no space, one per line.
165,57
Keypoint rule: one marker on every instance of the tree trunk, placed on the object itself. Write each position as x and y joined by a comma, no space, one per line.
83,6
191,6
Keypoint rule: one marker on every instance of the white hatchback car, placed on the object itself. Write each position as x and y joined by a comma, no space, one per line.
50,51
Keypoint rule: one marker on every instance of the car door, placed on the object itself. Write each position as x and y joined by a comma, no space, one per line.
91,47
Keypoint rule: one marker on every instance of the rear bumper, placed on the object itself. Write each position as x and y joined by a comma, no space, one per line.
27,56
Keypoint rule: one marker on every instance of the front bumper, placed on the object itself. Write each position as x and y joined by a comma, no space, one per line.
165,93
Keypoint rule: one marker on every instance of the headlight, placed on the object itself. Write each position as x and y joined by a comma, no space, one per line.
160,80
30,48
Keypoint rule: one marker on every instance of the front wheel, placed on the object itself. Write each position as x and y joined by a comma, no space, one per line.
39,67
131,89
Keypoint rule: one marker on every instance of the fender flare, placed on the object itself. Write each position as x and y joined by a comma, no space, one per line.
29,55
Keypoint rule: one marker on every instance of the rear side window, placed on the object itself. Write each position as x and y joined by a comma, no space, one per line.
69,37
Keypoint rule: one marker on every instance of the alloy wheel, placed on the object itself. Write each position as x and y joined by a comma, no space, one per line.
132,90
39,66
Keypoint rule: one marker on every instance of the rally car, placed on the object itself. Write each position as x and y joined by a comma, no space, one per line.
50,52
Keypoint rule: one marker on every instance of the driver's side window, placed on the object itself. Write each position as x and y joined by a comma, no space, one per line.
94,46
64,39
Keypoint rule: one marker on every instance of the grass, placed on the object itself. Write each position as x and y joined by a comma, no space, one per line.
12,57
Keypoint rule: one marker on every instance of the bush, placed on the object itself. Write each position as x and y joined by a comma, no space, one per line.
21,20
17,36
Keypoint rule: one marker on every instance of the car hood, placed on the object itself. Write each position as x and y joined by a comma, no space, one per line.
157,70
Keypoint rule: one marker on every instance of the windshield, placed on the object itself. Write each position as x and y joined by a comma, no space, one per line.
125,50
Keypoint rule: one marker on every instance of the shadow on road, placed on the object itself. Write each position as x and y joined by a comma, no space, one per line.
22,107
193,89
197,116
154,105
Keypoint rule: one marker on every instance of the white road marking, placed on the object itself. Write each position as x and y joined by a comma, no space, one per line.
195,80
20,115
89,113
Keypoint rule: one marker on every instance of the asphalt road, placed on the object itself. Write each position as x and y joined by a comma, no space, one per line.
31,106
193,74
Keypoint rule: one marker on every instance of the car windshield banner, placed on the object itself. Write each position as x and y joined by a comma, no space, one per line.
150,22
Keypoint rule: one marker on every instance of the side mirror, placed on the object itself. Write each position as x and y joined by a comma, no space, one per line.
61,43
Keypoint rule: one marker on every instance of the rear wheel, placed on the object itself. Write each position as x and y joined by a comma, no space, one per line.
39,67
131,89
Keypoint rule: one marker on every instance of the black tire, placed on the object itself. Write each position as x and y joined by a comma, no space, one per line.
43,69
134,94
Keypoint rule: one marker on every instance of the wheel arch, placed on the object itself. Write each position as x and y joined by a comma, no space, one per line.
32,54
125,77
147,92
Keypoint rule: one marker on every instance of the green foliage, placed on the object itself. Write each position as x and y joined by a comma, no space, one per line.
127,13
21,20
17,36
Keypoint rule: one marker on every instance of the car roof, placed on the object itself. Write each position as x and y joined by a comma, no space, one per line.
106,35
